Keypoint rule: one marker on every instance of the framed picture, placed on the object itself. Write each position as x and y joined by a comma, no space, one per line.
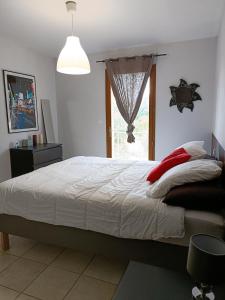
21,101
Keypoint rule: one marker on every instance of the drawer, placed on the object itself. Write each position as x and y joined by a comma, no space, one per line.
45,164
47,155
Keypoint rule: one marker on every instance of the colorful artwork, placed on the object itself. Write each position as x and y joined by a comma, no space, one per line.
21,102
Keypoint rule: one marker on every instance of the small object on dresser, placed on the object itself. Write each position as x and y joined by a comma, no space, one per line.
35,139
30,141
17,144
24,143
40,138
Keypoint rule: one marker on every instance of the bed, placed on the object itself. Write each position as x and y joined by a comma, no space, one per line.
100,205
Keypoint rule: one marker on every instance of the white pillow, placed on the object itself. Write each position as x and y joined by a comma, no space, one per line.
195,149
191,171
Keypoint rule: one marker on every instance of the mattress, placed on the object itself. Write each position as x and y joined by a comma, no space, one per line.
200,222
106,196
92,193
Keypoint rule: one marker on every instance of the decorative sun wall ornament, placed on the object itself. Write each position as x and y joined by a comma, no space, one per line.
184,95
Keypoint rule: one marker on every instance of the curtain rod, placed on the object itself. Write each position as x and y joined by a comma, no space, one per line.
131,57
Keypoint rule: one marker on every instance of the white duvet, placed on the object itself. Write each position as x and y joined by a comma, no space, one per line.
92,193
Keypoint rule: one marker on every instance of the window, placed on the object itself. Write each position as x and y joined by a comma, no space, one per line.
116,137
121,149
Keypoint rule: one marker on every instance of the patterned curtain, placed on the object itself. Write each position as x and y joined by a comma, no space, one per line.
128,78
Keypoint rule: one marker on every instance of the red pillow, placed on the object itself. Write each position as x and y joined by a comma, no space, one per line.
167,164
175,153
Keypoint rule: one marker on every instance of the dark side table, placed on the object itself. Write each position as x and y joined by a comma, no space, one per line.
147,282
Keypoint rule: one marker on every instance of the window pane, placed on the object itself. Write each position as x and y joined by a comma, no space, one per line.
121,149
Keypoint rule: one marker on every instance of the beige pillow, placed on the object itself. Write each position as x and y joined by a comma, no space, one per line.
191,171
195,149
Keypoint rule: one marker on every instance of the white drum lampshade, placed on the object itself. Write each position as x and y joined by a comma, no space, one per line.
72,59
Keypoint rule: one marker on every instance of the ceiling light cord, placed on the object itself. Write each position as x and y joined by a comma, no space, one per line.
71,8
72,24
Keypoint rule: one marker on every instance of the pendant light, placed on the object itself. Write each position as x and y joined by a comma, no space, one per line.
72,59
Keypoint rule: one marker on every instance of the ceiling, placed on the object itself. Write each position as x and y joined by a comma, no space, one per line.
108,24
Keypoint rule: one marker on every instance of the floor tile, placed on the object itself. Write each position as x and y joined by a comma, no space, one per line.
25,297
6,260
43,253
106,269
73,261
52,284
20,274
88,288
19,245
7,294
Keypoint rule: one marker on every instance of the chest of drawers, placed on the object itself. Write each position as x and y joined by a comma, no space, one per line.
27,159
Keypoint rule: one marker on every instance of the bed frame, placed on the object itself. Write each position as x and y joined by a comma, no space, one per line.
154,252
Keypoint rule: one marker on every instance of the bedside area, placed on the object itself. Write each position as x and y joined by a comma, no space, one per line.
147,282
27,159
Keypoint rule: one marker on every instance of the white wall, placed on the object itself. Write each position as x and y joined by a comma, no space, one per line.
14,57
219,123
81,99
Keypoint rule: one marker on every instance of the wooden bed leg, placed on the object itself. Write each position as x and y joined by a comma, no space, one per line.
4,241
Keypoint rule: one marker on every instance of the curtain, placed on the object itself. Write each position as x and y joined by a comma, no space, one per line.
128,78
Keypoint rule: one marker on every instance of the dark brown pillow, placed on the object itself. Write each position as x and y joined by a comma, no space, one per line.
204,195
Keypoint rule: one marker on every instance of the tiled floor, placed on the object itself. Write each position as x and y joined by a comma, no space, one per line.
30,270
